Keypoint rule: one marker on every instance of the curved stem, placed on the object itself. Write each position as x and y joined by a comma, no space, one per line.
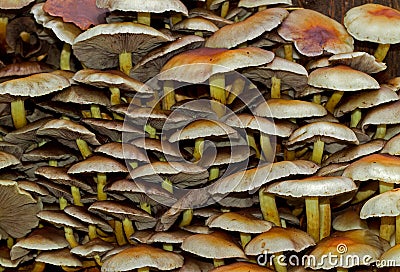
224,9
355,118
268,152
237,88
62,203
101,183
83,148
268,207
198,148
186,218
69,235
128,228
119,233
381,52
18,113
252,143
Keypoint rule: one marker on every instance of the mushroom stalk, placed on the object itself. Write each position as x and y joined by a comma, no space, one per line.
101,183
143,269
317,99
388,224
167,185
76,194
275,87
198,148
279,267
288,51
333,101
187,217
145,207
38,267
224,9
324,218
169,95
3,31
10,242
380,131
290,155
381,52
125,62
318,151
128,228
397,230
95,111
342,269
245,238
266,147
83,148
144,18
65,57
218,262
151,131
312,214
252,143
62,203
217,93
18,113
175,18
69,235
119,233
92,232
355,118
214,173
268,207
237,88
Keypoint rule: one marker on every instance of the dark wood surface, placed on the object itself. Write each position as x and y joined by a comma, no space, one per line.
337,10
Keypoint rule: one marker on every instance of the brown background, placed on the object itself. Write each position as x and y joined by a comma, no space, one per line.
337,10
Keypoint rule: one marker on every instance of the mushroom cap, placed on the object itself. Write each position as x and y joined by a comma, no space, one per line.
171,237
390,257
257,3
209,15
341,78
195,24
392,146
120,211
348,220
61,257
241,267
32,86
150,65
97,164
344,246
384,204
150,144
155,6
214,245
284,109
355,152
328,132
83,95
14,4
24,69
313,186
279,239
18,210
107,41
361,61
83,215
112,78
291,74
384,23
251,179
67,130
314,34
366,99
92,248
45,238
388,113
376,167
264,125
83,14
7,159
233,221
114,129
203,128
196,66
254,26
122,151
59,218
142,256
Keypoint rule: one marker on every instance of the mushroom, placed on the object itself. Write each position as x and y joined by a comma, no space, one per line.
61,257
93,249
196,25
386,20
15,91
316,191
143,258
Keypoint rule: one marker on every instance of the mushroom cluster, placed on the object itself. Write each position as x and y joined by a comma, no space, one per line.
197,135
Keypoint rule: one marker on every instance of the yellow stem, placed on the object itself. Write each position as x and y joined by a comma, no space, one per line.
268,151
101,183
252,143
65,57
125,62
167,185
218,262
168,247
143,269
69,235
290,155
18,113
10,242
341,269
145,207
268,207
62,203
198,148
3,34
261,8
38,267
324,218
279,267
355,118
380,131
385,186
144,18
83,148
119,233
381,52
115,96
25,36
169,95
95,111
224,9
288,51
275,87
214,173
333,101
318,151
397,230
175,18
237,88
128,228
312,214
97,259
92,232
151,131
217,93
198,33
187,216
244,238
76,194
317,99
